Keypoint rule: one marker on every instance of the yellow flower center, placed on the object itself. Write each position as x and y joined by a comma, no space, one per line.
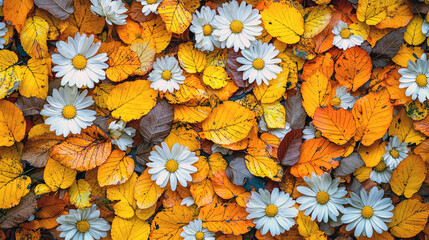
79,62
345,33
421,80
69,112
380,166
394,153
318,134
82,226
271,210
258,64
171,166
151,1
322,197
166,75
207,30
336,102
236,26
199,235
367,212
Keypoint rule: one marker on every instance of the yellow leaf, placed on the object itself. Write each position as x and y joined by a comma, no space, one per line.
371,12
402,126
414,35
56,26
185,135
146,191
362,173
57,176
317,20
145,214
122,62
360,29
12,124
145,50
202,192
168,223
261,164
80,194
203,169
34,37
406,53
192,111
13,184
372,154
35,78
217,57
274,91
409,218
274,115
124,194
306,227
10,73
132,229
284,22
42,189
315,92
191,89
398,14
16,11
228,123
191,59
216,77
131,100
102,92
177,19
217,163
408,176
116,170
156,29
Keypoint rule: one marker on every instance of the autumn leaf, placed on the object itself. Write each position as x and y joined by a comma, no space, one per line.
35,79
168,223
409,218
402,126
223,187
34,36
336,125
146,191
408,176
116,170
372,154
16,11
215,76
60,9
133,228
177,19
10,73
317,20
315,92
371,12
190,59
122,62
80,194
202,192
57,176
124,194
145,50
414,35
83,20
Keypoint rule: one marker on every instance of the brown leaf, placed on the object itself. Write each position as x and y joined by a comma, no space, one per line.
61,9
288,152
349,164
156,125
295,113
136,14
387,47
231,67
30,106
19,213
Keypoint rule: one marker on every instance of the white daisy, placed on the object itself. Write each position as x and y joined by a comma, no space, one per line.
395,152
259,63
172,166
324,199
83,224
218,148
77,63
66,111
381,173
3,31
195,231
187,201
202,28
310,132
122,136
343,99
414,78
166,75
344,37
425,28
368,212
271,212
113,10
150,6
278,132
237,26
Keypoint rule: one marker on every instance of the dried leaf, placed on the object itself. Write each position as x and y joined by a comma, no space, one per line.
61,9
386,48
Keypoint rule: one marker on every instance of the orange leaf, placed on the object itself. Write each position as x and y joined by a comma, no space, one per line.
122,62
168,223
130,31
336,125
202,192
315,92
225,188
156,29
116,170
203,169
321,63
16,11
408,176
423,150
423,126
12,124
372,154
146,191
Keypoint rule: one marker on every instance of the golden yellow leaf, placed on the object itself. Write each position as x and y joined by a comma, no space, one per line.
168,223
224,93
146,191
42,189
102,92
56,26
402,126
202,192
217,57
284,22
274,114
203,169
80,194
408,176
116,170
336,125
315,92
132,229
372,154
360,29
14,184
145,214
261,164
216,163
16,12
362,173
191,89
34,37
371,12
406,53
35,78
274,91
156,29
12,124
130,32
10,73
57,176
191,59
185,135
192,111
223,187
398,14
145,50
122,62
414,35
318,18
177,19
216,77
306,227
409,218
131,100
124,194
228,123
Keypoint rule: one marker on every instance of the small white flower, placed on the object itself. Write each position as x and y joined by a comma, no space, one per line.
150,6
278,132
201,26
343,99
66,111
237,25
414,79
381,173
259,63
195,231
83,224
166,75
395,152
187,201
172,166
344,37
368,212
425,28
271,212
324,199
113,10
3,31
122,136
310,132
218,148
77,63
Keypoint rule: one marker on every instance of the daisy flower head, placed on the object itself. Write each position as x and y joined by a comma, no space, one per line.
344,37
122,136
395,152
113,10
77,62
172,166
271,212
195,231
381,173
149,6
310,132
414,79
166,75
343,99
324,199
237,25
66,111
259,63
368,212
83,224
3,31
201,26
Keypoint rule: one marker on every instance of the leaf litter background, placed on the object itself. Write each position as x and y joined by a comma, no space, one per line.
40,175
